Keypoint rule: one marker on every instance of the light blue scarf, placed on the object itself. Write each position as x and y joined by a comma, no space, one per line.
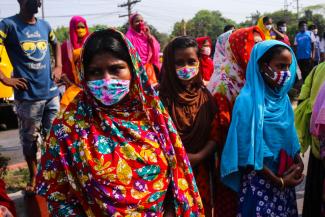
262,122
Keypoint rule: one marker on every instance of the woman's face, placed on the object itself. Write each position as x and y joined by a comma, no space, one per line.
137,22
81,30
280,62
107,66
206,44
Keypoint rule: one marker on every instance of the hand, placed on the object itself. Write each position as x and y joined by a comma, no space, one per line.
293,177
300,163
16,83
194,158
5,212
56,74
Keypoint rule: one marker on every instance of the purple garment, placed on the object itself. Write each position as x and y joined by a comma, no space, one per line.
317,121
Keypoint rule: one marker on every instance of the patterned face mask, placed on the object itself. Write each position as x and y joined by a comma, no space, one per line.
187,72
109,91
279,77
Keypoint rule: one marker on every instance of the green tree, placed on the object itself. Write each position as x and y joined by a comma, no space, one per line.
204,23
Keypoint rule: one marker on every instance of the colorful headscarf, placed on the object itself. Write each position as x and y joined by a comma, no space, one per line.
262,27
148,50
230,59
262,121
105,155
206,63
73,31
303,111
317,122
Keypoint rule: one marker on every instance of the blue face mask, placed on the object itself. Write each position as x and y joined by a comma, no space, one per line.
109,91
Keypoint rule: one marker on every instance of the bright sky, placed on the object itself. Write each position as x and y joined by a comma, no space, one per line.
160,13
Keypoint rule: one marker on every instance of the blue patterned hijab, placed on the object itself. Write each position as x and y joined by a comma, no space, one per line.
262,121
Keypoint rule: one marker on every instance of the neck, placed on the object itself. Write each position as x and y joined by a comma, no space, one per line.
27,18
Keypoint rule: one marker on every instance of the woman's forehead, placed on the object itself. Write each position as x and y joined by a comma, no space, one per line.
81,24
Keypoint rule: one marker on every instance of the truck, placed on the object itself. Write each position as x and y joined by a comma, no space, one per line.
8,117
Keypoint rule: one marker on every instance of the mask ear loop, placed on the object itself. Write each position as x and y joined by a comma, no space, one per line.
272,73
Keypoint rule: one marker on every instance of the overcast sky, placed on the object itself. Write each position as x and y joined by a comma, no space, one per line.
160,13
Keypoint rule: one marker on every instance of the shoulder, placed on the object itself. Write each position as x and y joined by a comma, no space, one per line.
9,21
44,23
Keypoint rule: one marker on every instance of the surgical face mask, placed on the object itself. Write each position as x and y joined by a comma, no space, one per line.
268,27
109,91
187,72
283,29
206,51
279,77
32,6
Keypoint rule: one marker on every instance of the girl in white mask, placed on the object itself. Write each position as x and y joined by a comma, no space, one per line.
206,63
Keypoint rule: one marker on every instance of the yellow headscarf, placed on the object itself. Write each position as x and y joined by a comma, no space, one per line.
266,32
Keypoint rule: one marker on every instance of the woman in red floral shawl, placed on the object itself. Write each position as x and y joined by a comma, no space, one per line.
115,151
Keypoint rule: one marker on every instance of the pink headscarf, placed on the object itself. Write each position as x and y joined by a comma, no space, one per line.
317,121
148,49
73,31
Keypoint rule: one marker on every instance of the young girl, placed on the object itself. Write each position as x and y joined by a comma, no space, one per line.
261,156
192,109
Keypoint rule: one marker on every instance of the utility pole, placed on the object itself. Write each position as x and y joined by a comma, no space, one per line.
297,10
43,14
286,7
129,5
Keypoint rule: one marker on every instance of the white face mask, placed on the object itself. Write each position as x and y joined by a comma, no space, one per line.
206,51
315,31
283,29
268,27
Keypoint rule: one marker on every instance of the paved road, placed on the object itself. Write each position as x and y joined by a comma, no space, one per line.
10,146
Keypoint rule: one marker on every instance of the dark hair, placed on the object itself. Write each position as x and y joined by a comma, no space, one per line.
271,53
312,27
280,23
228,27
302,22
265,19
183,42
105,41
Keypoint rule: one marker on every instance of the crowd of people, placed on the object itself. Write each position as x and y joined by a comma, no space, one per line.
123,133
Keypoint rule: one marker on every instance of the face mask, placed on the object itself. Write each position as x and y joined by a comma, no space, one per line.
32,6
206,51
142,26
109,91
283,29
279,77
186,73
315,31
269,27
81,32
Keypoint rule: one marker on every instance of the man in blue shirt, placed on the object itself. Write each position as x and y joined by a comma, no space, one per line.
305,49
28,41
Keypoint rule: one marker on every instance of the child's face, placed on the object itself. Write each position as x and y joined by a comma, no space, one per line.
186,57
280,62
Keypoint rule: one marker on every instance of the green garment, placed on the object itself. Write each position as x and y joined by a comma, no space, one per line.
303,111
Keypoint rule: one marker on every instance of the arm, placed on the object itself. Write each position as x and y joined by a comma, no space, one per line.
203,154
56,47
278,34
17,83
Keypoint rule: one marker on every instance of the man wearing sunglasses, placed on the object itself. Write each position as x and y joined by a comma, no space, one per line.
28,41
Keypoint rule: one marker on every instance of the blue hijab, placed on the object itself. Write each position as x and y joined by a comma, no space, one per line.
262,121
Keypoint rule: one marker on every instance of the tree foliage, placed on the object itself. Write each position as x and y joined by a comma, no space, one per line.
204,23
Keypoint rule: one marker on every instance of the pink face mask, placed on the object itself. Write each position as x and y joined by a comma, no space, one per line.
187,72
